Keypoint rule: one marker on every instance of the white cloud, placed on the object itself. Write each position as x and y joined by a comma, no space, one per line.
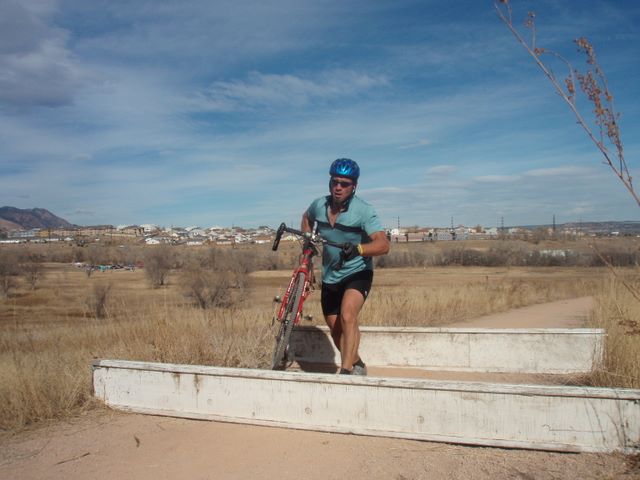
442,170
497,178
36,68
420,143
562,171
260,90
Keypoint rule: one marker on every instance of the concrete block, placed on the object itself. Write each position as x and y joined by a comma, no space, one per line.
574,419
533,350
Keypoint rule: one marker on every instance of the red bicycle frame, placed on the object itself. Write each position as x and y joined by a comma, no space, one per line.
297,292
306,268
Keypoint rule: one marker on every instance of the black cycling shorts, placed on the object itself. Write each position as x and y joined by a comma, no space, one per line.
332,293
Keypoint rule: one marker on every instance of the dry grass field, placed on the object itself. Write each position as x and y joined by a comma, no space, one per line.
49,335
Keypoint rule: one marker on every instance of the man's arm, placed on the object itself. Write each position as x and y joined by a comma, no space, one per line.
379,245
305,225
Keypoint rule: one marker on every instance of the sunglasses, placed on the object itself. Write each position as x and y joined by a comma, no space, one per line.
342,183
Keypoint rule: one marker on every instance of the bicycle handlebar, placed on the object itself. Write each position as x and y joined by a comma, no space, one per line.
283,228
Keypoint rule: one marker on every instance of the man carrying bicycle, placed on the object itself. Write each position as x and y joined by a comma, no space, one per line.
347,273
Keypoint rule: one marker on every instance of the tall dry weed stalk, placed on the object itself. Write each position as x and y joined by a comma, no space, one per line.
98,299
602,128
48,374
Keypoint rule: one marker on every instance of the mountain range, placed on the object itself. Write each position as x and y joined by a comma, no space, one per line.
12,218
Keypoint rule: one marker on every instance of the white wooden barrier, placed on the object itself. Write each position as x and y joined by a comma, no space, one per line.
532,350
572,419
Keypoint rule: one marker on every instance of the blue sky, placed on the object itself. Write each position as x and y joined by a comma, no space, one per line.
230,112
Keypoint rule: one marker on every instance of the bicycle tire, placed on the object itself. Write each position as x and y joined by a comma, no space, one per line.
286,327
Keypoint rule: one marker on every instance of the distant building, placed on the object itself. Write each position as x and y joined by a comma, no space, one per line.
25,234
149,228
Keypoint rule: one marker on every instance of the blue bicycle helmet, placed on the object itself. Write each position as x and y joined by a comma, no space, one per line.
345,167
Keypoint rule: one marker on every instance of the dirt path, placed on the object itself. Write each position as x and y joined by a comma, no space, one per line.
572,313
108,445
118,446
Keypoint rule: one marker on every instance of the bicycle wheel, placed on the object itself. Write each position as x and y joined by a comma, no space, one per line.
286,327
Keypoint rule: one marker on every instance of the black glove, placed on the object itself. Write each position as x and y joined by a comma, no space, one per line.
349,252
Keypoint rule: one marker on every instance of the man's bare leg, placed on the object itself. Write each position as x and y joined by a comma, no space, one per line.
335,327
352,303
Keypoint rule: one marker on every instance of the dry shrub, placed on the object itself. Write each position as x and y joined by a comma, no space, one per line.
405,258
208,289
98,299
618,312
504,254
217,278
244,260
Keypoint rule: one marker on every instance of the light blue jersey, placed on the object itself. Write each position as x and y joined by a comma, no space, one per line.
355,225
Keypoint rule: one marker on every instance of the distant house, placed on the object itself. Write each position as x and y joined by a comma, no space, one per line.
176,232
149,228
128,231
259,239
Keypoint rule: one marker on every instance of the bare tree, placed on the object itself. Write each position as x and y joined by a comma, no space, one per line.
158,262
97,254
594,87
8,271
32,273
